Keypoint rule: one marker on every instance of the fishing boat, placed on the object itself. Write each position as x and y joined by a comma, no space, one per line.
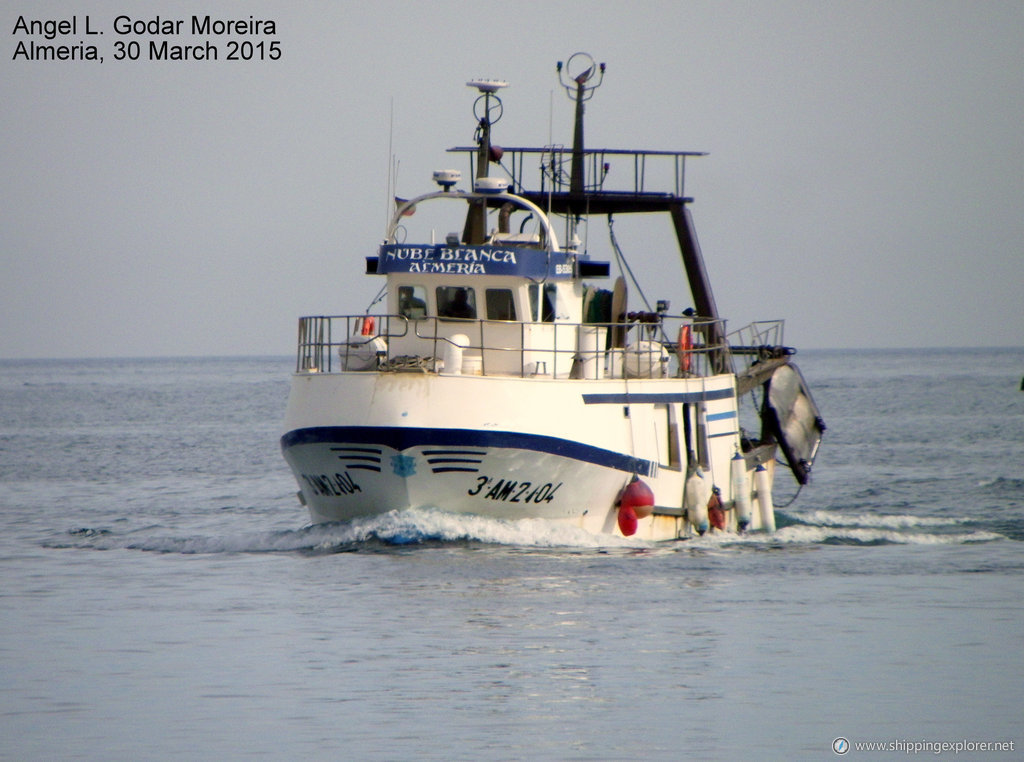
507,374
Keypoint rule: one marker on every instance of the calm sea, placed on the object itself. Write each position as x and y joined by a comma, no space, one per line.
163,597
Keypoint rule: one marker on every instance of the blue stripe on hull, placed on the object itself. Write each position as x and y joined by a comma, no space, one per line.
620,398
401,438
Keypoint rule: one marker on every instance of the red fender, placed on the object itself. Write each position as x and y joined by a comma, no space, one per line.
627,521
716,514
636,502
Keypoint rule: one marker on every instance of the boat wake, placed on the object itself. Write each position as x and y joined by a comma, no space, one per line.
435,527
836,528
398,530
395,529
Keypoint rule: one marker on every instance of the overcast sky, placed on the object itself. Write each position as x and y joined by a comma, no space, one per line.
865,177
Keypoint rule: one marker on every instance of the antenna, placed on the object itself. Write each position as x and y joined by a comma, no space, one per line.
583,64
391,163
487,85
580,69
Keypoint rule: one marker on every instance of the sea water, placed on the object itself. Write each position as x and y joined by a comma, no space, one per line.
164,597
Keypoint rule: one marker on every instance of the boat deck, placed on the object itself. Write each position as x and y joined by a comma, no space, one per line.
650,346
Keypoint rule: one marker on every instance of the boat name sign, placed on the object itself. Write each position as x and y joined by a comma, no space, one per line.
474,260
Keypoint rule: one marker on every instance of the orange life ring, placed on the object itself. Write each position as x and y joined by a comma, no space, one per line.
685,349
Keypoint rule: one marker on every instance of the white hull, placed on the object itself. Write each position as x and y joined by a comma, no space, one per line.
361,444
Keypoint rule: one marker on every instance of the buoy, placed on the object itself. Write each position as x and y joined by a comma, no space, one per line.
763,483
740,484
636,501
695,501
627,521
368,326
639,497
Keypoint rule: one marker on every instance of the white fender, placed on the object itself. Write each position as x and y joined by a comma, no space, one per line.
362,355
740,484
763,482
695,500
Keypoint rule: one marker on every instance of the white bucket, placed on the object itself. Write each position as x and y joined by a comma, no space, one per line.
589,344
614,363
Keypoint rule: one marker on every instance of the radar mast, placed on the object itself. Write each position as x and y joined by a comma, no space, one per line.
487,109
580,70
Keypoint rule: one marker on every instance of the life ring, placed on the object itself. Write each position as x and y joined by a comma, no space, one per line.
368,326
685,350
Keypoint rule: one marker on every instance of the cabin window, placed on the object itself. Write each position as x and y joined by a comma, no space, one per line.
456,302
412,302
500,304
695,435
666,432
542,302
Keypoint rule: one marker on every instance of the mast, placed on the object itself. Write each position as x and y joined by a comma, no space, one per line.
580,89
487,109
581,76
700,285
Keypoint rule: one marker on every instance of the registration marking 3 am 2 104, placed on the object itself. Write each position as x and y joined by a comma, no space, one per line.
513,491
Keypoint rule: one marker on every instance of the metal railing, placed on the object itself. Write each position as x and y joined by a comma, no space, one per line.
605,169
650,347
756,342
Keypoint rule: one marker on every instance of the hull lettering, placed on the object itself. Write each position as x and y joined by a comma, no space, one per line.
513,491
331,485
